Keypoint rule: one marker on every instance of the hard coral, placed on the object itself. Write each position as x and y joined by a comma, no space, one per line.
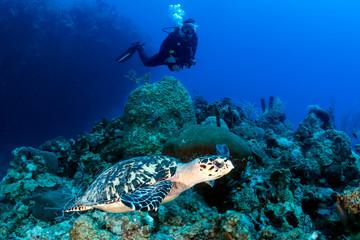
196,140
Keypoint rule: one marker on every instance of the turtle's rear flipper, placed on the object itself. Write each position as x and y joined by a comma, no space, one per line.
129,52
147,198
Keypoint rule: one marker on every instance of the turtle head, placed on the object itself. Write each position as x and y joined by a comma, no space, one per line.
213,167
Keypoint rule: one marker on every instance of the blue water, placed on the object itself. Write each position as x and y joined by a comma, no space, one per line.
58,75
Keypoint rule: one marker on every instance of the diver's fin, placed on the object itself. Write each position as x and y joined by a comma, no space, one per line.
129,52
126,55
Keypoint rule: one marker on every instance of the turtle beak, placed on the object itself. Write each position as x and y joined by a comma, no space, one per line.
210,183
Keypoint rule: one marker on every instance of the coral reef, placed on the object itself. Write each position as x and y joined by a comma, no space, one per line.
329,149
301,184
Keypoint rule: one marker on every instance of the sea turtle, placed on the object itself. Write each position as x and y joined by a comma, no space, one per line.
143,183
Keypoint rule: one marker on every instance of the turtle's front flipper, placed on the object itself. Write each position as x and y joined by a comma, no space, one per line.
147,198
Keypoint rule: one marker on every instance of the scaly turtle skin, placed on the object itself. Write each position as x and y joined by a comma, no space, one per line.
143,183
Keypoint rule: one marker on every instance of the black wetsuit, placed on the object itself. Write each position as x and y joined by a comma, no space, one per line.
183,50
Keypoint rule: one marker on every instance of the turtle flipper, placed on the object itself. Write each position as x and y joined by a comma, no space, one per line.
147,198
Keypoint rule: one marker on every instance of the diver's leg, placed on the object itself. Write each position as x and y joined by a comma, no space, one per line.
155,60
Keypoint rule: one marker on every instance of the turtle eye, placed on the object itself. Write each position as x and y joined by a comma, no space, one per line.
218,164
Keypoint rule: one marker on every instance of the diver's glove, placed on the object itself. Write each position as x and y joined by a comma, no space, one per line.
190,63
170,59
175,68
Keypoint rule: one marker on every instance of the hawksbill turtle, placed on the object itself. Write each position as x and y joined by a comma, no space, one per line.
143,183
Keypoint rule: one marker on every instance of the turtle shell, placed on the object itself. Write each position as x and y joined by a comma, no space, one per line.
127,177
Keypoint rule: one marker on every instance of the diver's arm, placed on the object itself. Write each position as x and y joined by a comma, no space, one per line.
191,60
194,48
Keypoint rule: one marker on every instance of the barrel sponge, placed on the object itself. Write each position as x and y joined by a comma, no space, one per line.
197,140
152,113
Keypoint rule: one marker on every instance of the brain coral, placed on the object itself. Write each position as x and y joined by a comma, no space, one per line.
152,113
196,140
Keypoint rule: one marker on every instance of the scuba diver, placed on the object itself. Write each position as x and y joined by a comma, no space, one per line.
176,51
